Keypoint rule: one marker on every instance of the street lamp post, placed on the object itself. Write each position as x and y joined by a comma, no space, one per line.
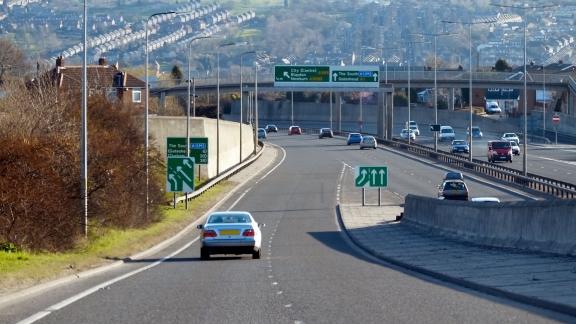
241,97
435,35
218,102
84,175
469,24
544,98
188,104
146,108
525,144
255,106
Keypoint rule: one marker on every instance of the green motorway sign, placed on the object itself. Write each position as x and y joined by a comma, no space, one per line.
176,146
353,76
371,176
295,73
180,174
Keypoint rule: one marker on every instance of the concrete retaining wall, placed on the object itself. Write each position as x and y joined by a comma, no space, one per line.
546,226
162,127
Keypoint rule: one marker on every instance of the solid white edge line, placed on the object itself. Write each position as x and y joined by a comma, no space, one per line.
39,315
105,284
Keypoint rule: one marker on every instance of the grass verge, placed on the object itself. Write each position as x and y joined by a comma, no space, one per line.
20,270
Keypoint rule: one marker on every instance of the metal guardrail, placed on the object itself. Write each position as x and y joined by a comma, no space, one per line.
223,176
553,187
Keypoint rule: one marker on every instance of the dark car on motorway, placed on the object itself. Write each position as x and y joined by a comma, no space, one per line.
453,190
354,138
261,133
499,151
453,175
271,128
294,130
459,146
325,132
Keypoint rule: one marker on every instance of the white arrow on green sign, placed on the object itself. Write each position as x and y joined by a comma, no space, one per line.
371,176
180,174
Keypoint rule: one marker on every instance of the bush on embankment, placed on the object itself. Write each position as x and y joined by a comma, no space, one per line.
41,205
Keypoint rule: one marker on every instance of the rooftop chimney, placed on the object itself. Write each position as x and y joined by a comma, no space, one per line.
102,61
59,61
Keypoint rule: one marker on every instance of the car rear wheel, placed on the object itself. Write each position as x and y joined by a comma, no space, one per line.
256,254
204,254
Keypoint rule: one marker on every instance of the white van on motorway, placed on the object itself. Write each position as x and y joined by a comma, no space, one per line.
446,133
492,107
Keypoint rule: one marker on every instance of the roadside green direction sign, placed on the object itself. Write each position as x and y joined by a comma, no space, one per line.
176,146
353,76
371,176
180,174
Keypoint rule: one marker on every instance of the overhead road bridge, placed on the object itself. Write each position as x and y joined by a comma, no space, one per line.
418,79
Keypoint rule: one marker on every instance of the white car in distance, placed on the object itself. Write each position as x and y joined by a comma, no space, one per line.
510,137
407,134
415,129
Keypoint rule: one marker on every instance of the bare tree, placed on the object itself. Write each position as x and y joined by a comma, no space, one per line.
11,58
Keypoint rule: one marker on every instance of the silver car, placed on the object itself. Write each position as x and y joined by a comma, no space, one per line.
231,232
368,142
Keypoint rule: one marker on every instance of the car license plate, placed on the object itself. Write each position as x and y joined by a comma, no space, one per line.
229,232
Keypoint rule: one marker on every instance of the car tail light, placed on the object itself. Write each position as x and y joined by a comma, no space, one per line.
209,233
248,232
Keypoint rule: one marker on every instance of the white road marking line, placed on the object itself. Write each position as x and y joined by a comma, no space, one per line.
105,284
559,161
239,198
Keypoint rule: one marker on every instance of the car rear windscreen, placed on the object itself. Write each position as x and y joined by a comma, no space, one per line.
500,145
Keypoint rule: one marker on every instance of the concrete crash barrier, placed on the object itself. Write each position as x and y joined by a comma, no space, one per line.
543,226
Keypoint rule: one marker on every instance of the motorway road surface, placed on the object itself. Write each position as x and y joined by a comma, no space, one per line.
309,272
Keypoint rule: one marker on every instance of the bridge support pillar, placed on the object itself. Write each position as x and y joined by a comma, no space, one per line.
386,112
162,104
451,99
338,119
381,109
571,103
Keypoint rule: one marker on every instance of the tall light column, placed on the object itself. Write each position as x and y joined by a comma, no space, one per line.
241,98
525,144
218,103
435,35
84,175
146,137
256,105
544,98
471,149
469,24
189,98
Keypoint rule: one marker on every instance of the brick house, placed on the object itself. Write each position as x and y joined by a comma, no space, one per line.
102,79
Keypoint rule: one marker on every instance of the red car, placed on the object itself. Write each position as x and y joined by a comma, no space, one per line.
499,150
294,130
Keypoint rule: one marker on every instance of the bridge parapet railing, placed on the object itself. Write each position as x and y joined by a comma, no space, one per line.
268,77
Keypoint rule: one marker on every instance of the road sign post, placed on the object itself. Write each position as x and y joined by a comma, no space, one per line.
556,122
371,177
180,174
